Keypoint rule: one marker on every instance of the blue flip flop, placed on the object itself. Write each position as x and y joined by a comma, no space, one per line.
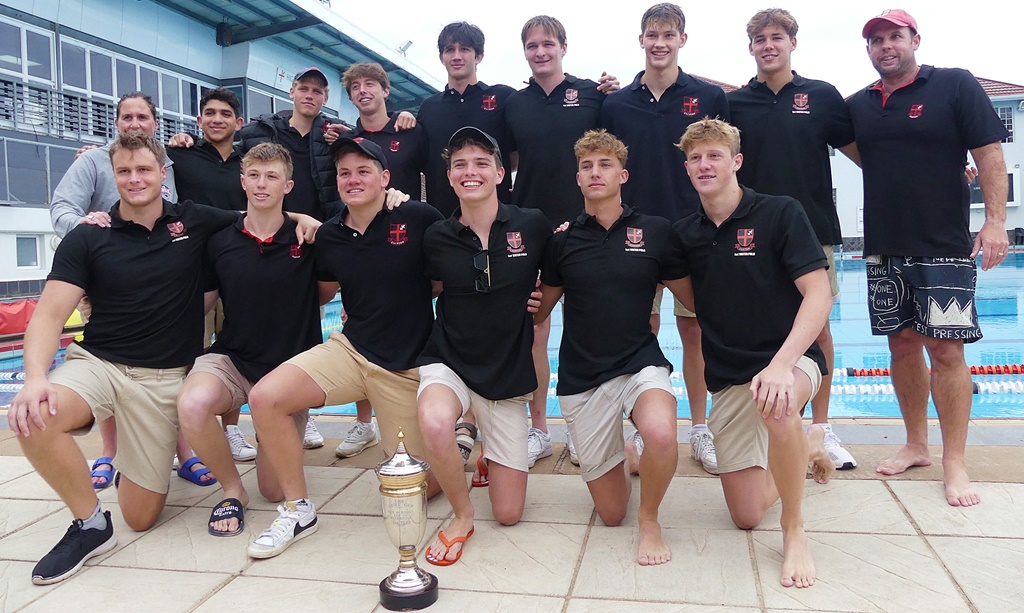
103,474
185,472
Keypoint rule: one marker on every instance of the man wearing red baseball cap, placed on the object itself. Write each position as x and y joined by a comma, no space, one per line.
914,128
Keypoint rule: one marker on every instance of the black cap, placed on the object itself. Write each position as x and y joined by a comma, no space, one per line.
369,148
312,70
474,134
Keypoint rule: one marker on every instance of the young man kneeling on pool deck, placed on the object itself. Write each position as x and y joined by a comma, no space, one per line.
756,274
143,277
258,256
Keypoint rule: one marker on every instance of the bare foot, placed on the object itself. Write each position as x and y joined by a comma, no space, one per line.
797,563
905,458
653,549
230,524
459,527
101,480
822,466
632,459
959,491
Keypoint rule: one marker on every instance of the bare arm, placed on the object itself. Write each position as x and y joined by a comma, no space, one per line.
210,300
306,227
327,291
549,296
436,287
851,152
992,240
682,289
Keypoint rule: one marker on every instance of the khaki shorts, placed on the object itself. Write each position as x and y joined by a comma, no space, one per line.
145,402
214,324
833,278
677,309
594,417
221,366
346,376
741,438
502,423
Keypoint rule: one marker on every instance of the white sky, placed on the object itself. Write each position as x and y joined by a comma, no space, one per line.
981,36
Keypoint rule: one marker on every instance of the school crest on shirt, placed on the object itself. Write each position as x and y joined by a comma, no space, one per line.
691,106
295,251
395,146
177,231
635,239
572,97
489,102
801,104
916,110
745,241
399,234
514,240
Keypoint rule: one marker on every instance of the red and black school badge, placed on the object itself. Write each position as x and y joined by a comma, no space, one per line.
176,229
634,237
396,145
744,239
296,251
515,242
489,102
398,234
916,110
691,106
800,102
572,96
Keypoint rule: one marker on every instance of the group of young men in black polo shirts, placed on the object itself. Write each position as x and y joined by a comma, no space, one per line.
721,248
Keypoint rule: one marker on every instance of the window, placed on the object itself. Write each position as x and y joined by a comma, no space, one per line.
28,251
102,73
10,47
190,98
1006,116
259,104
26,52
72,62
126,82
38,47
149,83
170,100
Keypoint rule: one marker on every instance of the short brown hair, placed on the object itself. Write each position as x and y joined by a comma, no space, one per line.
600,141
710,131
365,70
664,13
269,152
469,142
548,24
136,140
772,17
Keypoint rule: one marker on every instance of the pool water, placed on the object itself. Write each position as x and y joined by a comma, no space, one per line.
1000,297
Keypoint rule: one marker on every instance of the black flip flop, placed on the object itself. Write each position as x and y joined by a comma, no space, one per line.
226,509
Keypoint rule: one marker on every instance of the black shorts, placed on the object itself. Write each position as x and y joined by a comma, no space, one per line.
934,296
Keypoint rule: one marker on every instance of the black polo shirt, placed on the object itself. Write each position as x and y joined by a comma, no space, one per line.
544,129
271,303
743,273
145,287
487,337
658,182
481,106
913,148
406,151
202,175
305,195
609,278
785,139
384,285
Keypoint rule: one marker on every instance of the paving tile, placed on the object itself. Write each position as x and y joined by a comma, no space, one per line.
183,543
322,484
35,540
29,486
362,497
586,605
12,467
112,590
272,594
997,515
17,513
549,499
846,506
987,569
860,572
715,563
16,587
690,502
457,601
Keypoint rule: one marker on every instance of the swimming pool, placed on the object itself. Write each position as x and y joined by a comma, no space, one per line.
1000,299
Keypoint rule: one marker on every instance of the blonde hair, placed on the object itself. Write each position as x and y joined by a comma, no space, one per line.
600,141
269,152
772,17
136,140
710,131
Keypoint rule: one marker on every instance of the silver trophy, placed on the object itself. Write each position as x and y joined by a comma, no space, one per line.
403,490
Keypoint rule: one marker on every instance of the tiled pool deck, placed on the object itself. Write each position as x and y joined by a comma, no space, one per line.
881,544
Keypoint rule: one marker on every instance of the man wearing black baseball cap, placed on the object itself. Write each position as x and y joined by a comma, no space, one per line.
914,128
376,257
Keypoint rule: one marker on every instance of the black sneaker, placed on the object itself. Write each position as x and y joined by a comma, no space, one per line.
77,546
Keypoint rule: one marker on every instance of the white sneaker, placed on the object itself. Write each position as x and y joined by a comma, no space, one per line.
538,445
702,449
291,525
575,459
840,457
639,442
312,439
359,437
241,450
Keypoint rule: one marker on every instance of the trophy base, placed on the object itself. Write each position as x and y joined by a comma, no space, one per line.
394,601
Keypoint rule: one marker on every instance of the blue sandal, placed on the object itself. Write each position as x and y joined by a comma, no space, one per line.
103,474
185,472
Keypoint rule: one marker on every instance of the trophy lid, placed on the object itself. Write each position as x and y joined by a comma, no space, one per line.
401,464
